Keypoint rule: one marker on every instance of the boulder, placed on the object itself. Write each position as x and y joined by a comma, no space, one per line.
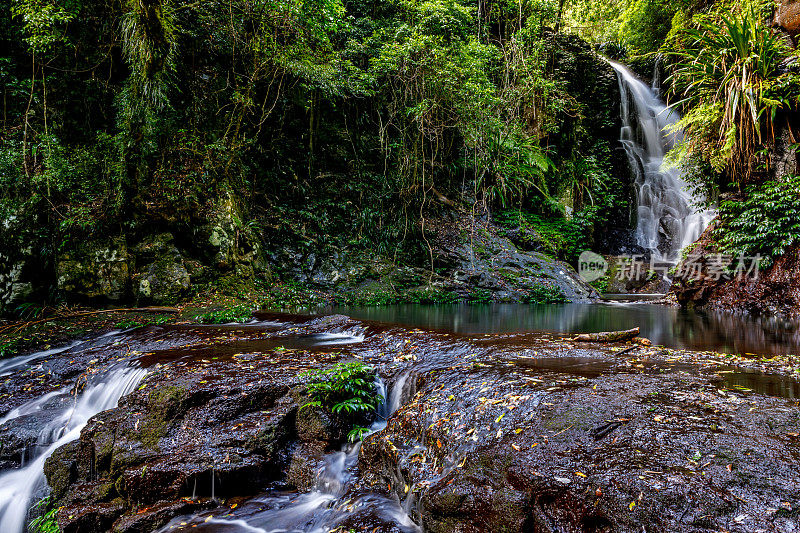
479,259
95,270
230,243
787,16
162,276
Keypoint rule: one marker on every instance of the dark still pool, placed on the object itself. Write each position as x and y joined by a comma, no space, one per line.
668,326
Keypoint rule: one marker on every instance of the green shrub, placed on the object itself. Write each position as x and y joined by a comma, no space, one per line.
728,70
767,222
559,237
239,313
545,294
645,23
290,295
479,296
8,348
430,295
347,390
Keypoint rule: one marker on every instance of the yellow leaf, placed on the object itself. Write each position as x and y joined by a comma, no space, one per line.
632,505
581,474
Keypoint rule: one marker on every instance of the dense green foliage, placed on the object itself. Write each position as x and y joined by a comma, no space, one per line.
332,124
347,389
345,125
227,315
728,70
766,223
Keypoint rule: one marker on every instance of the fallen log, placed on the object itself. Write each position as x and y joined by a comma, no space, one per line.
20,326
609,336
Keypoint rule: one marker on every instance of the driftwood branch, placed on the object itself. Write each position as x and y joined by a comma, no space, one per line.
609,336
17,327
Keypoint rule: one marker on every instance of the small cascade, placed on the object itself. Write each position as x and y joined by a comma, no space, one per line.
19,487
328,503
666,218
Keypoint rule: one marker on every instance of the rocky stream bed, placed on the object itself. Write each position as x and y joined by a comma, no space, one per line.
501,432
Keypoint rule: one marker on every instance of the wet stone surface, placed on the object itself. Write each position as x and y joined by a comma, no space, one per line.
501,432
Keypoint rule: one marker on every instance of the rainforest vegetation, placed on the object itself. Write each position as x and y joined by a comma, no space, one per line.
419,183
330,124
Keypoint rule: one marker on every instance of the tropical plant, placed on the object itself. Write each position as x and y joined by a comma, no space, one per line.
545,294
347,389
766,223
47,521
727,72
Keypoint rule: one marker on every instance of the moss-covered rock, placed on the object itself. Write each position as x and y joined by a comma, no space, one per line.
161,276
96,270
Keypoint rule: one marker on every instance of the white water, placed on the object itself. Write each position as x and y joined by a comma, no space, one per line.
326,505
18,487
667,220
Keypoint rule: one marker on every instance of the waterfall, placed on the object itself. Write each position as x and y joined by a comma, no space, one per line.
666,219
18,487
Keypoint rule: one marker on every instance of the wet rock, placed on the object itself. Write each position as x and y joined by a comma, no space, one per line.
199,430
479,258
14,285
787,16
304,465
24,269
61,468
95,270
161,277
508,449
231,243
783,155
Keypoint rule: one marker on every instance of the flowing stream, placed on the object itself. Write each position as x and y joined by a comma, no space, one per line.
20,487
327,505
666,217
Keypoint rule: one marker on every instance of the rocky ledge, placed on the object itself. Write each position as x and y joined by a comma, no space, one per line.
492,433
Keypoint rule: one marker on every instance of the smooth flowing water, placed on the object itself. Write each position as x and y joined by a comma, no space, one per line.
20,487
327,507
666,218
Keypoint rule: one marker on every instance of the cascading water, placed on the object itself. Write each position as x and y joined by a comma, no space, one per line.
666,221
326,505
20,486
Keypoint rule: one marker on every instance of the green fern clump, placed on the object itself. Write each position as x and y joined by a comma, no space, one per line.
545,294
46,522
767,222
347,389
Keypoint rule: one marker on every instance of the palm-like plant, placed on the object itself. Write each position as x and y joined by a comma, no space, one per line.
726,71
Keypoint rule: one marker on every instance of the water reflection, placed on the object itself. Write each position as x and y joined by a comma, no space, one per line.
668,326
